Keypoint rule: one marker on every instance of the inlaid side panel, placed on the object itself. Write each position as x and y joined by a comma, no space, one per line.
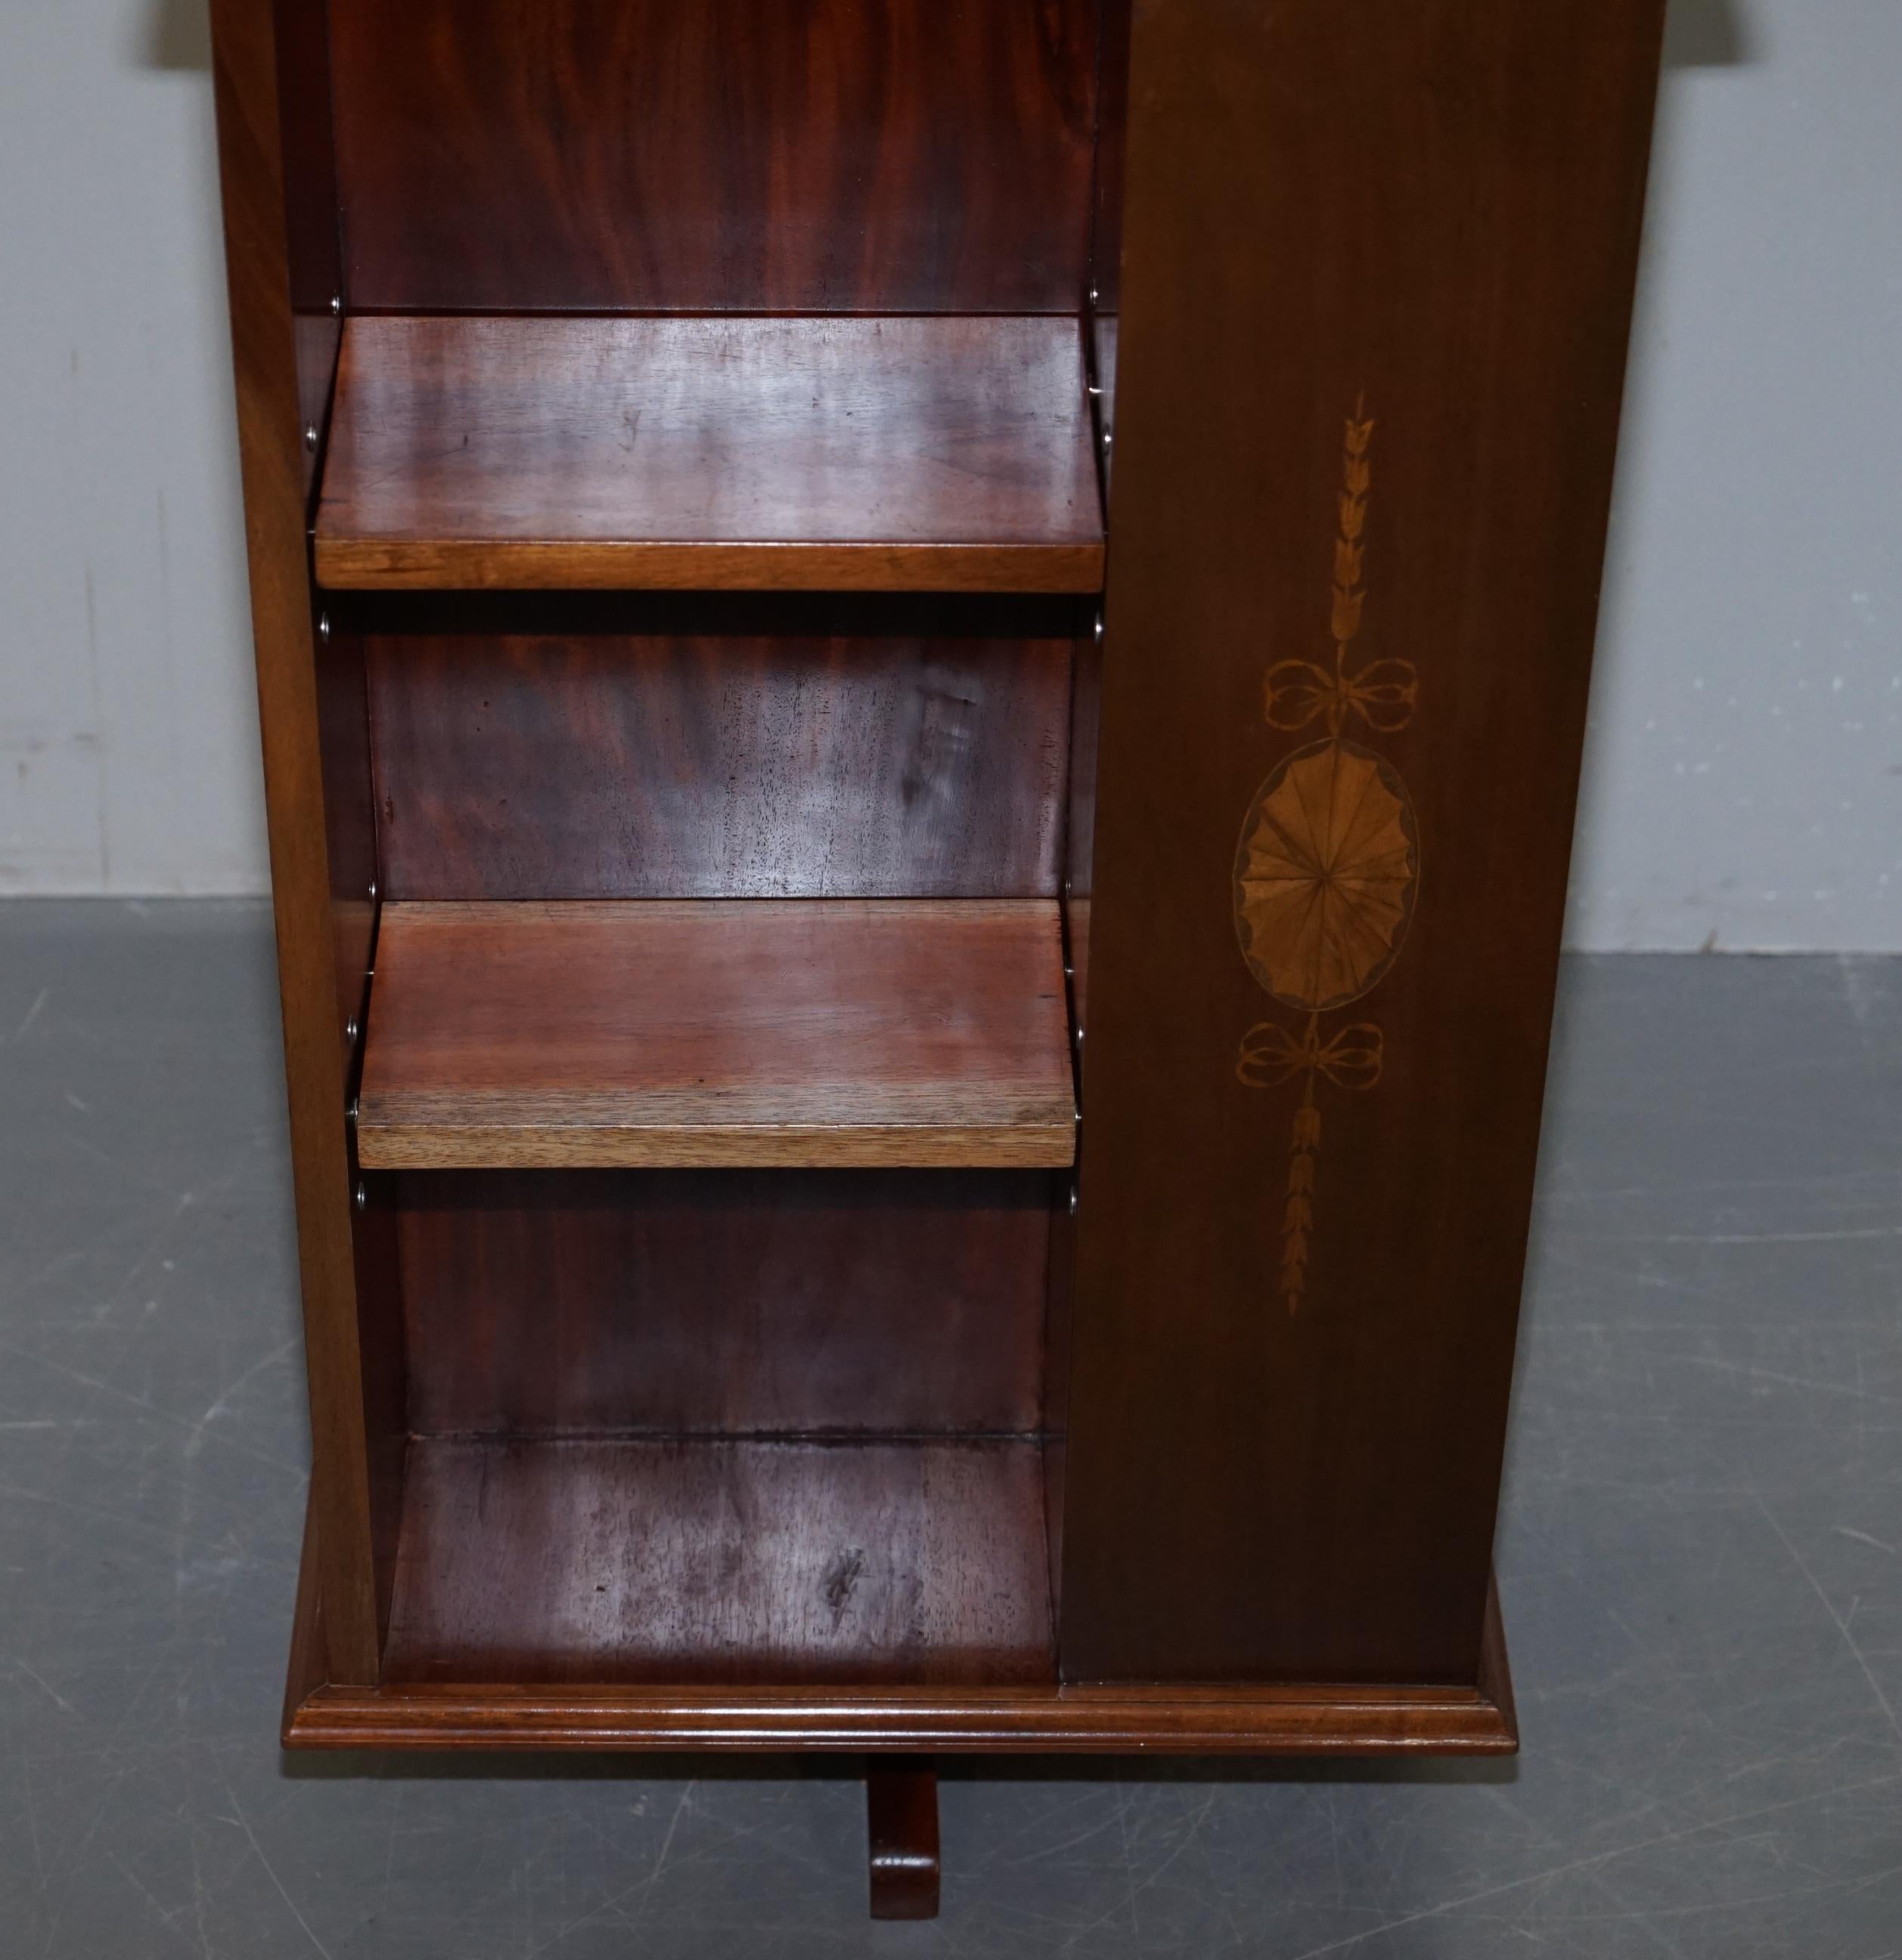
748,155
747,1302
921,760
1376,290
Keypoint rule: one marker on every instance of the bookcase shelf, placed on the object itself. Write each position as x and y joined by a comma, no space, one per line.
740,1032
722,1561
657,420
873,454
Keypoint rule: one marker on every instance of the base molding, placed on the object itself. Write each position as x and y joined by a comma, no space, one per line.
1241,1720
1169,1719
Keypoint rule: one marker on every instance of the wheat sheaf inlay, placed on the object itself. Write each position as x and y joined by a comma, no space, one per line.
1328,869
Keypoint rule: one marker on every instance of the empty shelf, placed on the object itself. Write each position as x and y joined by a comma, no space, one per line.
947,453
717,1561
721,1032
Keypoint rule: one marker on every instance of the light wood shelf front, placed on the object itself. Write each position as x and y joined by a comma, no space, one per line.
719,1032
948,453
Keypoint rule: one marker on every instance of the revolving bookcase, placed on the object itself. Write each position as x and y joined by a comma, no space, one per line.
915,1060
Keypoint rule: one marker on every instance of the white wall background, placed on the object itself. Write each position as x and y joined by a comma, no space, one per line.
1744,783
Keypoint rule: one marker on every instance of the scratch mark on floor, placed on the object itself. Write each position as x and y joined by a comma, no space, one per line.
270,1872
195,1441
1863,1538
1597,1858
44,1686
33,1013
1842,1624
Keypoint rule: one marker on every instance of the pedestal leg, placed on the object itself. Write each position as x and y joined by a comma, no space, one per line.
901,1816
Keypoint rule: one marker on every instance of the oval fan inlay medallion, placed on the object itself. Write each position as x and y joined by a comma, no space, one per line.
1326,876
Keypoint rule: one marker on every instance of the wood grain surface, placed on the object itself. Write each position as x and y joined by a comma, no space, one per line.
273,460
934,454
716,1032
1431,228
775,1302
717,1562
901,1824
729,746
728,155
1300,1720
1303,1718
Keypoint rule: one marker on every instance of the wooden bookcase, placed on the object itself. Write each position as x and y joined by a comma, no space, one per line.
914,1085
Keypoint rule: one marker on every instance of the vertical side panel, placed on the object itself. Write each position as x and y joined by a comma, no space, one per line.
314,243
1106,205
349,817
272,454
1375,294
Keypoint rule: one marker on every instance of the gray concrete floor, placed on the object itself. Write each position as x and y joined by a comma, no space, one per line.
1699,1556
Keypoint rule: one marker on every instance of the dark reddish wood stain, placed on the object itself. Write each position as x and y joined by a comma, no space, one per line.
901,1817
388,1379
828,751
272,458
832,156
1313,1720
884,1459
314,246
349,824
1457,199
714,1561
866,455
675,1302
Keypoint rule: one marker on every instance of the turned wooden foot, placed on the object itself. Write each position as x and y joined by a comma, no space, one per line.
901,1817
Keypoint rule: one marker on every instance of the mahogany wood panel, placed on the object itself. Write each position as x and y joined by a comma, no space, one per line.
721,1033
1307,1719
781,1302
1105,227
721,1562
860,454
1376,290
827,156
383,1361
272,455
309,1670
349,827
1109,163
901,1823
1318,1720
312,240
875,749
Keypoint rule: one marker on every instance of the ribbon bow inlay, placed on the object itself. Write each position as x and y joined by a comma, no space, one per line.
1271,1056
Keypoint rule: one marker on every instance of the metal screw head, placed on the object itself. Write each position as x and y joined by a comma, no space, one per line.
336,304
1073,1199
310,435
350,1029
362,1196
1093,296
373,887
1099,625
355,1106
323,626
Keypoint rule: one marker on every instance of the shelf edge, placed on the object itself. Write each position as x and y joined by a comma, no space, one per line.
399,1146
355,563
